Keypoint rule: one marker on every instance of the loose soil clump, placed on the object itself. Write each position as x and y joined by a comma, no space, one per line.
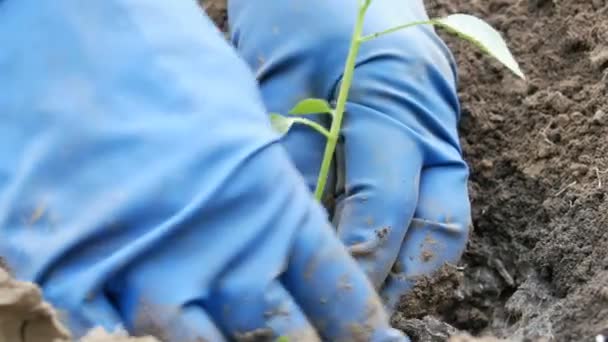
26,317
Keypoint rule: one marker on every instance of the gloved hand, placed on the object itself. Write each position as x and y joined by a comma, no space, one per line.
401,183
142,186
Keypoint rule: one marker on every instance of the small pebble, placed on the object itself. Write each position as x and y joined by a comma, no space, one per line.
579,169
577,116
559,101
544,152
486,164
599,117
562,120
599,57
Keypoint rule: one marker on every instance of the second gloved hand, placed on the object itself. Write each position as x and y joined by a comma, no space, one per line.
400,181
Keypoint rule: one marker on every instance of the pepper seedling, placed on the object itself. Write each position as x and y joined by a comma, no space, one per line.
467,27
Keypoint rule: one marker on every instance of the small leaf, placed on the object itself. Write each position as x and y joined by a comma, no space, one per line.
311,106
483,35
280,123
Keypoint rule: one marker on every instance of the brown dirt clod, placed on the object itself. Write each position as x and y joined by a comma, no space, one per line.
24,316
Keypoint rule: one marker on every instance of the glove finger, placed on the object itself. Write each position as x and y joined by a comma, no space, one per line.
151,304
380,189
333,292
285,72
439,232
241,308
402,117
191,323
260,312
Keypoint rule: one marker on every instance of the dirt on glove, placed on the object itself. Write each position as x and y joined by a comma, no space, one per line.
536,268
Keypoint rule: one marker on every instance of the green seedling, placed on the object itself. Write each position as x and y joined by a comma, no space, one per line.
467,27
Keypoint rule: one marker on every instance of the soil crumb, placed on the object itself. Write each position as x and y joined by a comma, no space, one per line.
446,284
100,335
24,316
427,329
469,338
216,10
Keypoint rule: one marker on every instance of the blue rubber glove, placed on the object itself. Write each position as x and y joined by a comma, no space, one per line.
142,186
401,183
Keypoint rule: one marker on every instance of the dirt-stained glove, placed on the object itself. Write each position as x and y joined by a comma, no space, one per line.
401,189
142,186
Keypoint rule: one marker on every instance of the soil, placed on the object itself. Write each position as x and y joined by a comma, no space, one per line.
536,268
216,10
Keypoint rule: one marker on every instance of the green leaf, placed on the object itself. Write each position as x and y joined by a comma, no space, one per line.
280,123
311,106
483,35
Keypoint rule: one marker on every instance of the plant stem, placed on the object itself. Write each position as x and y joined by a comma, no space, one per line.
394,29
317,127
347,78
